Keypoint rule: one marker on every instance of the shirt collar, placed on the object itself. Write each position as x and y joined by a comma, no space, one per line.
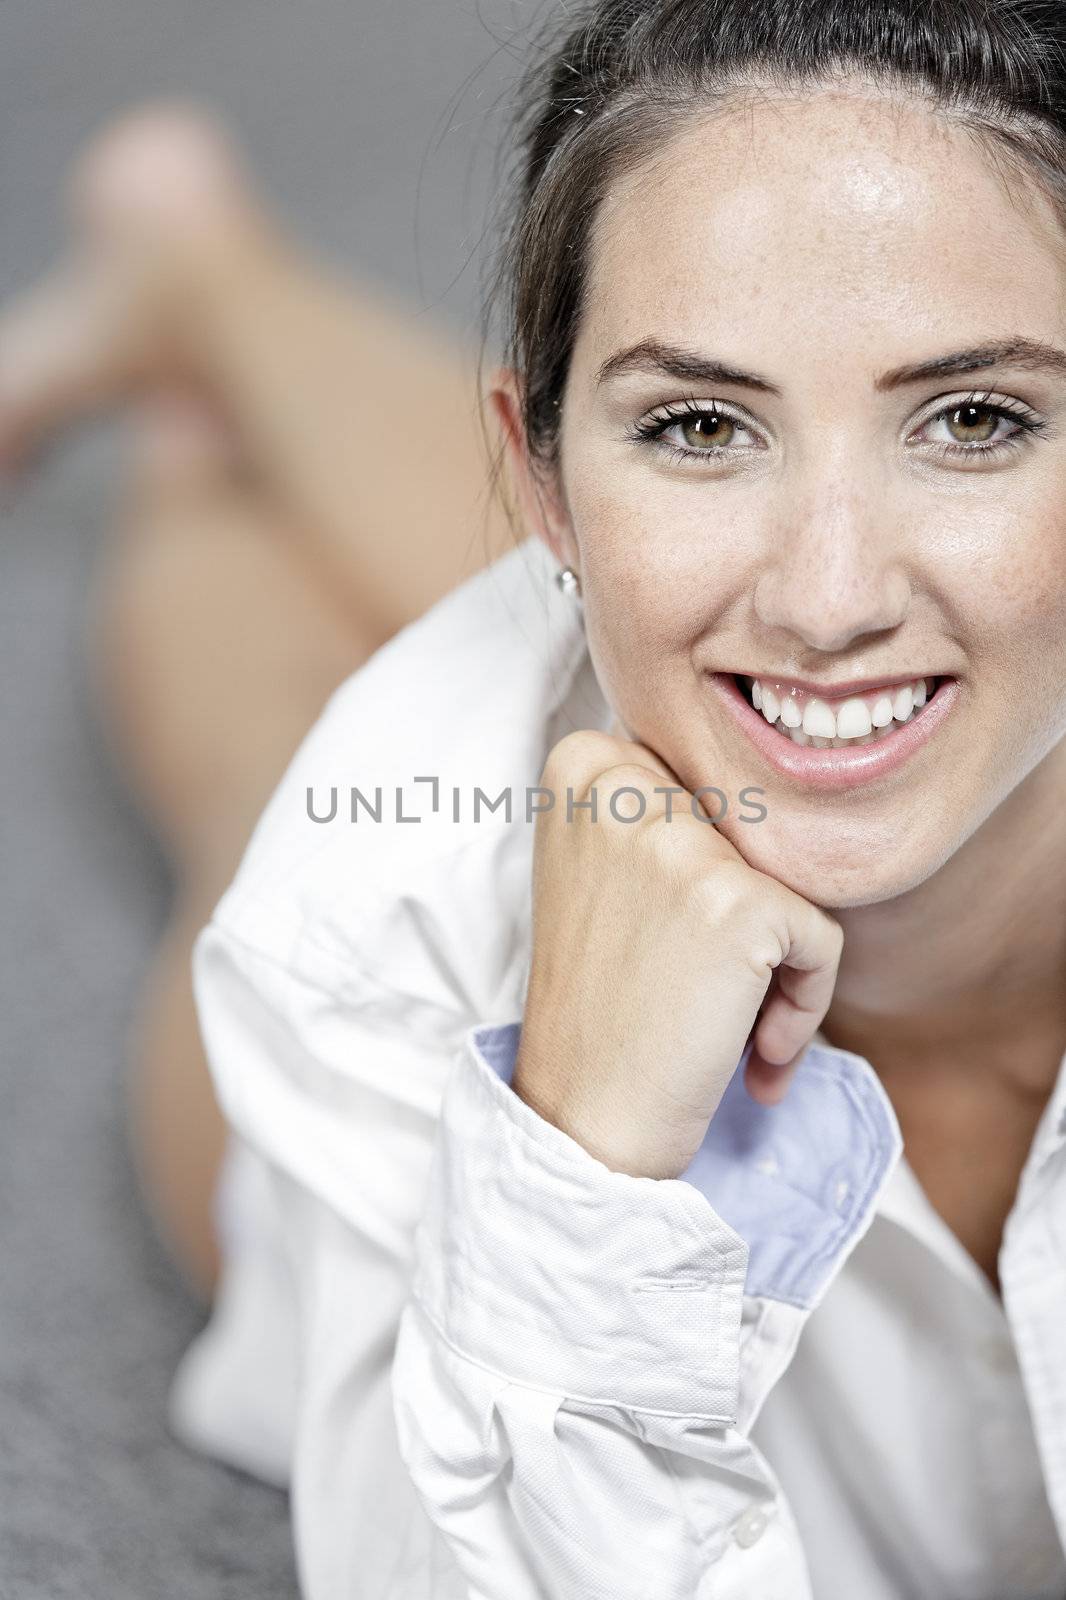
802,1181
1050,1135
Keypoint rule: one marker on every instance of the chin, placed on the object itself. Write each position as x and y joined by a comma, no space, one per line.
832,867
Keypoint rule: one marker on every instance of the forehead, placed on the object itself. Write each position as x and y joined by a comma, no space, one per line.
833,222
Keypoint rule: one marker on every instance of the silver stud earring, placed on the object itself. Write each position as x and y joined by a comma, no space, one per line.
569,582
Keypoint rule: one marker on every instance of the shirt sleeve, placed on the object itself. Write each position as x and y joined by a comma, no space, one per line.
516,1372
567,1371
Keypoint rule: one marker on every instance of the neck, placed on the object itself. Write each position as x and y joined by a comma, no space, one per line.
967,972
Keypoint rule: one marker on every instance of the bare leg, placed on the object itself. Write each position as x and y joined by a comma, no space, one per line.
361,419
310,476
212,653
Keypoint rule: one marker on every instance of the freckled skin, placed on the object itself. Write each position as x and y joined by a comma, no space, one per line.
818,242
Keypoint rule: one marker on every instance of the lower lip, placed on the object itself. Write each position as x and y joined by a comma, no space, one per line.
838,768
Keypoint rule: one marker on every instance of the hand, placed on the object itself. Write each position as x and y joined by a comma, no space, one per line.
654,946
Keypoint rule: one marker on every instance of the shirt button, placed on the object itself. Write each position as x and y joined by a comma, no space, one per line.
750,1526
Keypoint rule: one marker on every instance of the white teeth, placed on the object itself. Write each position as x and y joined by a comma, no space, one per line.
856,721
903,703
853,720
818,720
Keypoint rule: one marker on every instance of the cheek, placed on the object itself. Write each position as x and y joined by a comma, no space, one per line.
656,578
641,622
1010,608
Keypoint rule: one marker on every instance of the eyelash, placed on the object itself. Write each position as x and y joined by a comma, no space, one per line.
650,429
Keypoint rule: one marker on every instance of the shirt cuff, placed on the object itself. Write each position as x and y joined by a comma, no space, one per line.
540,1263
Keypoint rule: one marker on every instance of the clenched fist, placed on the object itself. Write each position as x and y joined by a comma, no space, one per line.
654,946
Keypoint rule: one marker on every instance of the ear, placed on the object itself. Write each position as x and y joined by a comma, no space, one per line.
541,502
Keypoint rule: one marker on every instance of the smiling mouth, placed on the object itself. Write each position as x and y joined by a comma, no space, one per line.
841,723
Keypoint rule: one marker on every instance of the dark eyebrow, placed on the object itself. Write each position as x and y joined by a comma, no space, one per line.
1031,355
652,355
689,366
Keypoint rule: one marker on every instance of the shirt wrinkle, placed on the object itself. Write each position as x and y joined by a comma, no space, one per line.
482,1359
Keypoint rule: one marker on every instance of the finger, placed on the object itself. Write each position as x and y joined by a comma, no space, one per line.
584,755
802,988
768,1082
637,752
631,751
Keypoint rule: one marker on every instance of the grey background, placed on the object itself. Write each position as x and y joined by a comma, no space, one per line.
376,144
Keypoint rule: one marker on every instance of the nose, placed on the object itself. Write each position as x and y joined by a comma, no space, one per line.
832,571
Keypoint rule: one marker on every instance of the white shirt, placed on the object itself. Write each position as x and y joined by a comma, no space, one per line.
492,1368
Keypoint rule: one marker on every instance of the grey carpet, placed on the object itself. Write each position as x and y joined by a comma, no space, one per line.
350,113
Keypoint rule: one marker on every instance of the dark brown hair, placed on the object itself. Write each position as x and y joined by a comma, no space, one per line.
625,74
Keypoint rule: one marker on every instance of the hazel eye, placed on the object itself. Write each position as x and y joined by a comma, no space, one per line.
704,430
980,429
972,424
693,432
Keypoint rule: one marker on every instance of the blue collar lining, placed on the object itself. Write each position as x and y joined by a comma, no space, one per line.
796,1181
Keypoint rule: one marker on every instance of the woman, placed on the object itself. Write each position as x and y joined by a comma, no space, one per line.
611,1302
571,1246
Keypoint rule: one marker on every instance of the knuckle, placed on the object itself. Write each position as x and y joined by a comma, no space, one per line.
628,775
828,929
724,890
662,840
577,754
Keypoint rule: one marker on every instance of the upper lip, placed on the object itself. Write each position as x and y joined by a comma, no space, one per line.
845,686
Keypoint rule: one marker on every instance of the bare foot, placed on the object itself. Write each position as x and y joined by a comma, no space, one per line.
158,203
180,278
275,533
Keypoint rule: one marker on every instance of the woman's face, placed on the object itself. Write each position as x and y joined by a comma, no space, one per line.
827,517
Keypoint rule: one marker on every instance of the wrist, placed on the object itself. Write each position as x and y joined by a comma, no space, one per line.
621,1142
